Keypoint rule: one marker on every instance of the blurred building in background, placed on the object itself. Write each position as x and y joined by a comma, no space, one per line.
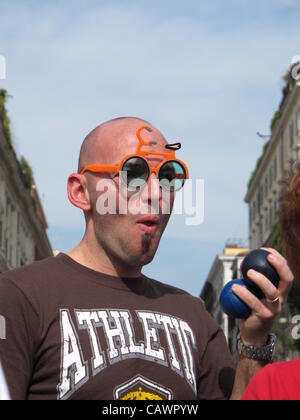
23,225
225,268
274,165
280,155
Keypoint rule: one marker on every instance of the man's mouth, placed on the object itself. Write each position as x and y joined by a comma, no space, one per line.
149,224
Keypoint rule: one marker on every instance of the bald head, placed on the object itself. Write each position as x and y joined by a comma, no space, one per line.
103,139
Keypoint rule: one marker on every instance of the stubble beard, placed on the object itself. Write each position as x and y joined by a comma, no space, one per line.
146,242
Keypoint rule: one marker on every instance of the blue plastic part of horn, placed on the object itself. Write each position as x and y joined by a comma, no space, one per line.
231,304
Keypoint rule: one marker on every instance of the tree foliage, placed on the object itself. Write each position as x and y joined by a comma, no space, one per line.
27,172
4,117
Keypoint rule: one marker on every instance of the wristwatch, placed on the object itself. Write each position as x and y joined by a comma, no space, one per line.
263,354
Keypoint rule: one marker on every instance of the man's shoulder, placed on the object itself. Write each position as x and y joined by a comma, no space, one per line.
278,372
276,381
30,283
291,367
32,273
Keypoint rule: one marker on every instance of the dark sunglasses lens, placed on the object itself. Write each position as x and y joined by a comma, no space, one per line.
137,172
172,176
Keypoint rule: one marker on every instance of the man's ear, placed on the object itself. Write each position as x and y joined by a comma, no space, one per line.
78,193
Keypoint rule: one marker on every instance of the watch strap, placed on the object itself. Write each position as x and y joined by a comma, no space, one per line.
264,353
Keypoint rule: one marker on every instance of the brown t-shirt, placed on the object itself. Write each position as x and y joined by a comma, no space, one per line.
74,333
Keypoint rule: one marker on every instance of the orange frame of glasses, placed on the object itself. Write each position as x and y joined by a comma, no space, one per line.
142,154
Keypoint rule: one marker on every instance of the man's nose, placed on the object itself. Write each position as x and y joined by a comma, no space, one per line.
152,191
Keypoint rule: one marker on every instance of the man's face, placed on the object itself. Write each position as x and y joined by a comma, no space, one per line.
130,239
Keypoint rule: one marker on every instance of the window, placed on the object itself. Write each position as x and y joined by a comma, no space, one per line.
281,152
259,198
6,248
270,177
297,122
291,134
1,233
7,206
275,168
266,186
260,232
271,217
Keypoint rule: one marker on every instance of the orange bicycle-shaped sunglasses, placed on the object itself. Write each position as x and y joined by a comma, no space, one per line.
136,170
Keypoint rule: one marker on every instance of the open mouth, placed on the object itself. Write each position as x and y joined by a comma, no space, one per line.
148,224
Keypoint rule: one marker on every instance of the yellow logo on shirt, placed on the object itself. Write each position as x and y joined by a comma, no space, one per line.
141,388
141,395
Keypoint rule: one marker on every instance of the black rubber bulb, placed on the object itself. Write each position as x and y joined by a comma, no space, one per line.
257,260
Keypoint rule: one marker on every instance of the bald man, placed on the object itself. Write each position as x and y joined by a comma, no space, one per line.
89,324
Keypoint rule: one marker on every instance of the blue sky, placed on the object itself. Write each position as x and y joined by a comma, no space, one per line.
207,73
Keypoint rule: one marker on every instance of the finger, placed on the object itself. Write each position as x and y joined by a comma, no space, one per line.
266,286
256,305
274,252
284,272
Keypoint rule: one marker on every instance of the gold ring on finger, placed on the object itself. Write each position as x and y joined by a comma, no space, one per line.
273,301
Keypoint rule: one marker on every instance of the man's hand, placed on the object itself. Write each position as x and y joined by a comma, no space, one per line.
255,329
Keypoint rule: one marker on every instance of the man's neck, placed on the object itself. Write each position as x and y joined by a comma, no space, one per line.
97,260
